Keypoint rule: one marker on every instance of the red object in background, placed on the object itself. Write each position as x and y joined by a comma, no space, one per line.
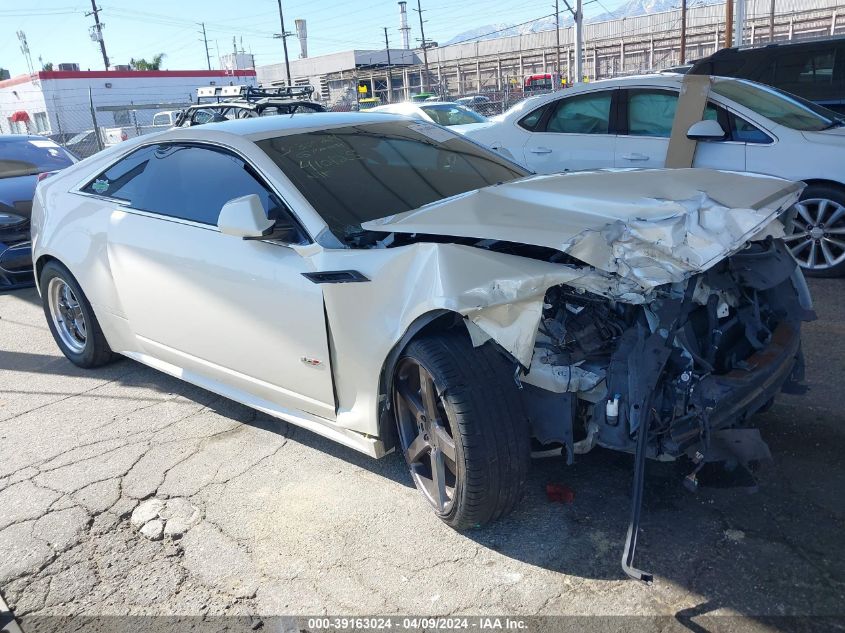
19,117
558,493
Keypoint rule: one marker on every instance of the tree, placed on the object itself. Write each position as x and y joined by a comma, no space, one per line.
143,64
48,67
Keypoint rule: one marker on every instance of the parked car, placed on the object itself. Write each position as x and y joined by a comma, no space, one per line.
443,113
813,69
626,122
83,144
480,104
23,160
389,284
223,103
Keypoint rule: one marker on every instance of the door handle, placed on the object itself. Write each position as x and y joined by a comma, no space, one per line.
635,156
540,150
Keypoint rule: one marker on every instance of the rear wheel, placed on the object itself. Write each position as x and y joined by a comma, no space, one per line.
461,428
818,237
71,319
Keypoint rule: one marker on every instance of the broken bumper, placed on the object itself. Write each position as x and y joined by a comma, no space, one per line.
732,398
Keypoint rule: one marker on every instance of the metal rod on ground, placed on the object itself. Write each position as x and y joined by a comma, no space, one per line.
579,43
424,49
683,53
94,120
99,29
284,37
389,78
205,41
729,23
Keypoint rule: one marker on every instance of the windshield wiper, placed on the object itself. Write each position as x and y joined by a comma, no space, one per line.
838,122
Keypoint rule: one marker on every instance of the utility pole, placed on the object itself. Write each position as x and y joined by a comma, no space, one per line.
205,41
683,31
729,23
97,31
557,45
579,42
389,73
284,37
426,84
772,21
739,25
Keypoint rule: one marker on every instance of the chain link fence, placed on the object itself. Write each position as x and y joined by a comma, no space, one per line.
84,130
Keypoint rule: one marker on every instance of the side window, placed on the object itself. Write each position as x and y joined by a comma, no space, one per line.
745,132
530,121
183,181
810,67
651,112
584,114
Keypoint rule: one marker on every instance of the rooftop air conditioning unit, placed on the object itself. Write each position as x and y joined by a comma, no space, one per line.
69,67
121,67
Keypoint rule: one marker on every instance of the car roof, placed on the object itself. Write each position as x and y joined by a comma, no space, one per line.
8,138
258,128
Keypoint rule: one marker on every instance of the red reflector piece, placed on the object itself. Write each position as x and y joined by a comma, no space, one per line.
558,493
45,174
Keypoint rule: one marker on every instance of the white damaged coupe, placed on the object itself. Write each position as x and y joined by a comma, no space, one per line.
389,284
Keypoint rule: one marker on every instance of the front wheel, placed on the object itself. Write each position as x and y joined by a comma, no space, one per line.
71,318
818,237
461,428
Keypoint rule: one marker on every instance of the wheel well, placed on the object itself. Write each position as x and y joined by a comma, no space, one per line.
436,321
39,265
825,183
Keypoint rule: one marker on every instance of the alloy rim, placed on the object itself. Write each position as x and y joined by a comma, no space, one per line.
818,237
425,434
67,315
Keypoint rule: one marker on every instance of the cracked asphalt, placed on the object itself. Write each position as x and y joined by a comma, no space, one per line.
289,523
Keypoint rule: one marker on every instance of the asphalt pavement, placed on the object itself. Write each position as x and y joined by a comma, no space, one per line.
125,491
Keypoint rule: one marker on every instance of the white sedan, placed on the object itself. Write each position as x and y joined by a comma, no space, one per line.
444,113
626,123
389,284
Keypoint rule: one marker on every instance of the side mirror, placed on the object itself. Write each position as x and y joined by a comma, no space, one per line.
244,217
706,131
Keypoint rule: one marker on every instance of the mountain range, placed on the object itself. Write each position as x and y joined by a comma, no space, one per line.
629,9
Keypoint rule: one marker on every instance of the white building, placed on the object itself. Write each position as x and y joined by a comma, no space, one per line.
58,102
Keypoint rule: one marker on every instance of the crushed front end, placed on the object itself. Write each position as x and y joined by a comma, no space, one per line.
691,366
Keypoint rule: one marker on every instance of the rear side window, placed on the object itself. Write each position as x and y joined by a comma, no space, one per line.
651,112
530,121
188,182
585,114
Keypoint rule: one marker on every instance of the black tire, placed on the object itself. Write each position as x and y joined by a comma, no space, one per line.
94,351
832,242
482,412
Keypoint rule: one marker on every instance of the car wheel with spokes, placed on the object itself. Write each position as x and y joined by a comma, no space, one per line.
818,233
71,319
461,428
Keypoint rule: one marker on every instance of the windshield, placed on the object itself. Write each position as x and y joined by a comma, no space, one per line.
29,156
360,173
781,107
452,114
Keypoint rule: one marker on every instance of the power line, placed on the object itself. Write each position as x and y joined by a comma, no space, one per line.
205,42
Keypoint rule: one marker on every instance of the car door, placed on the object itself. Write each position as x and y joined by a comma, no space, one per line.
646,116
576,132
238,312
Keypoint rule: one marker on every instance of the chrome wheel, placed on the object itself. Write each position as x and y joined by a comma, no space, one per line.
818,237
66,312
425,434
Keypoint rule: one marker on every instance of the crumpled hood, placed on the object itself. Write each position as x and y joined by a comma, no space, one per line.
650,226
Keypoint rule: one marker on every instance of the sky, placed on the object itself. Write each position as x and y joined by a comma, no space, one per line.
57,31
